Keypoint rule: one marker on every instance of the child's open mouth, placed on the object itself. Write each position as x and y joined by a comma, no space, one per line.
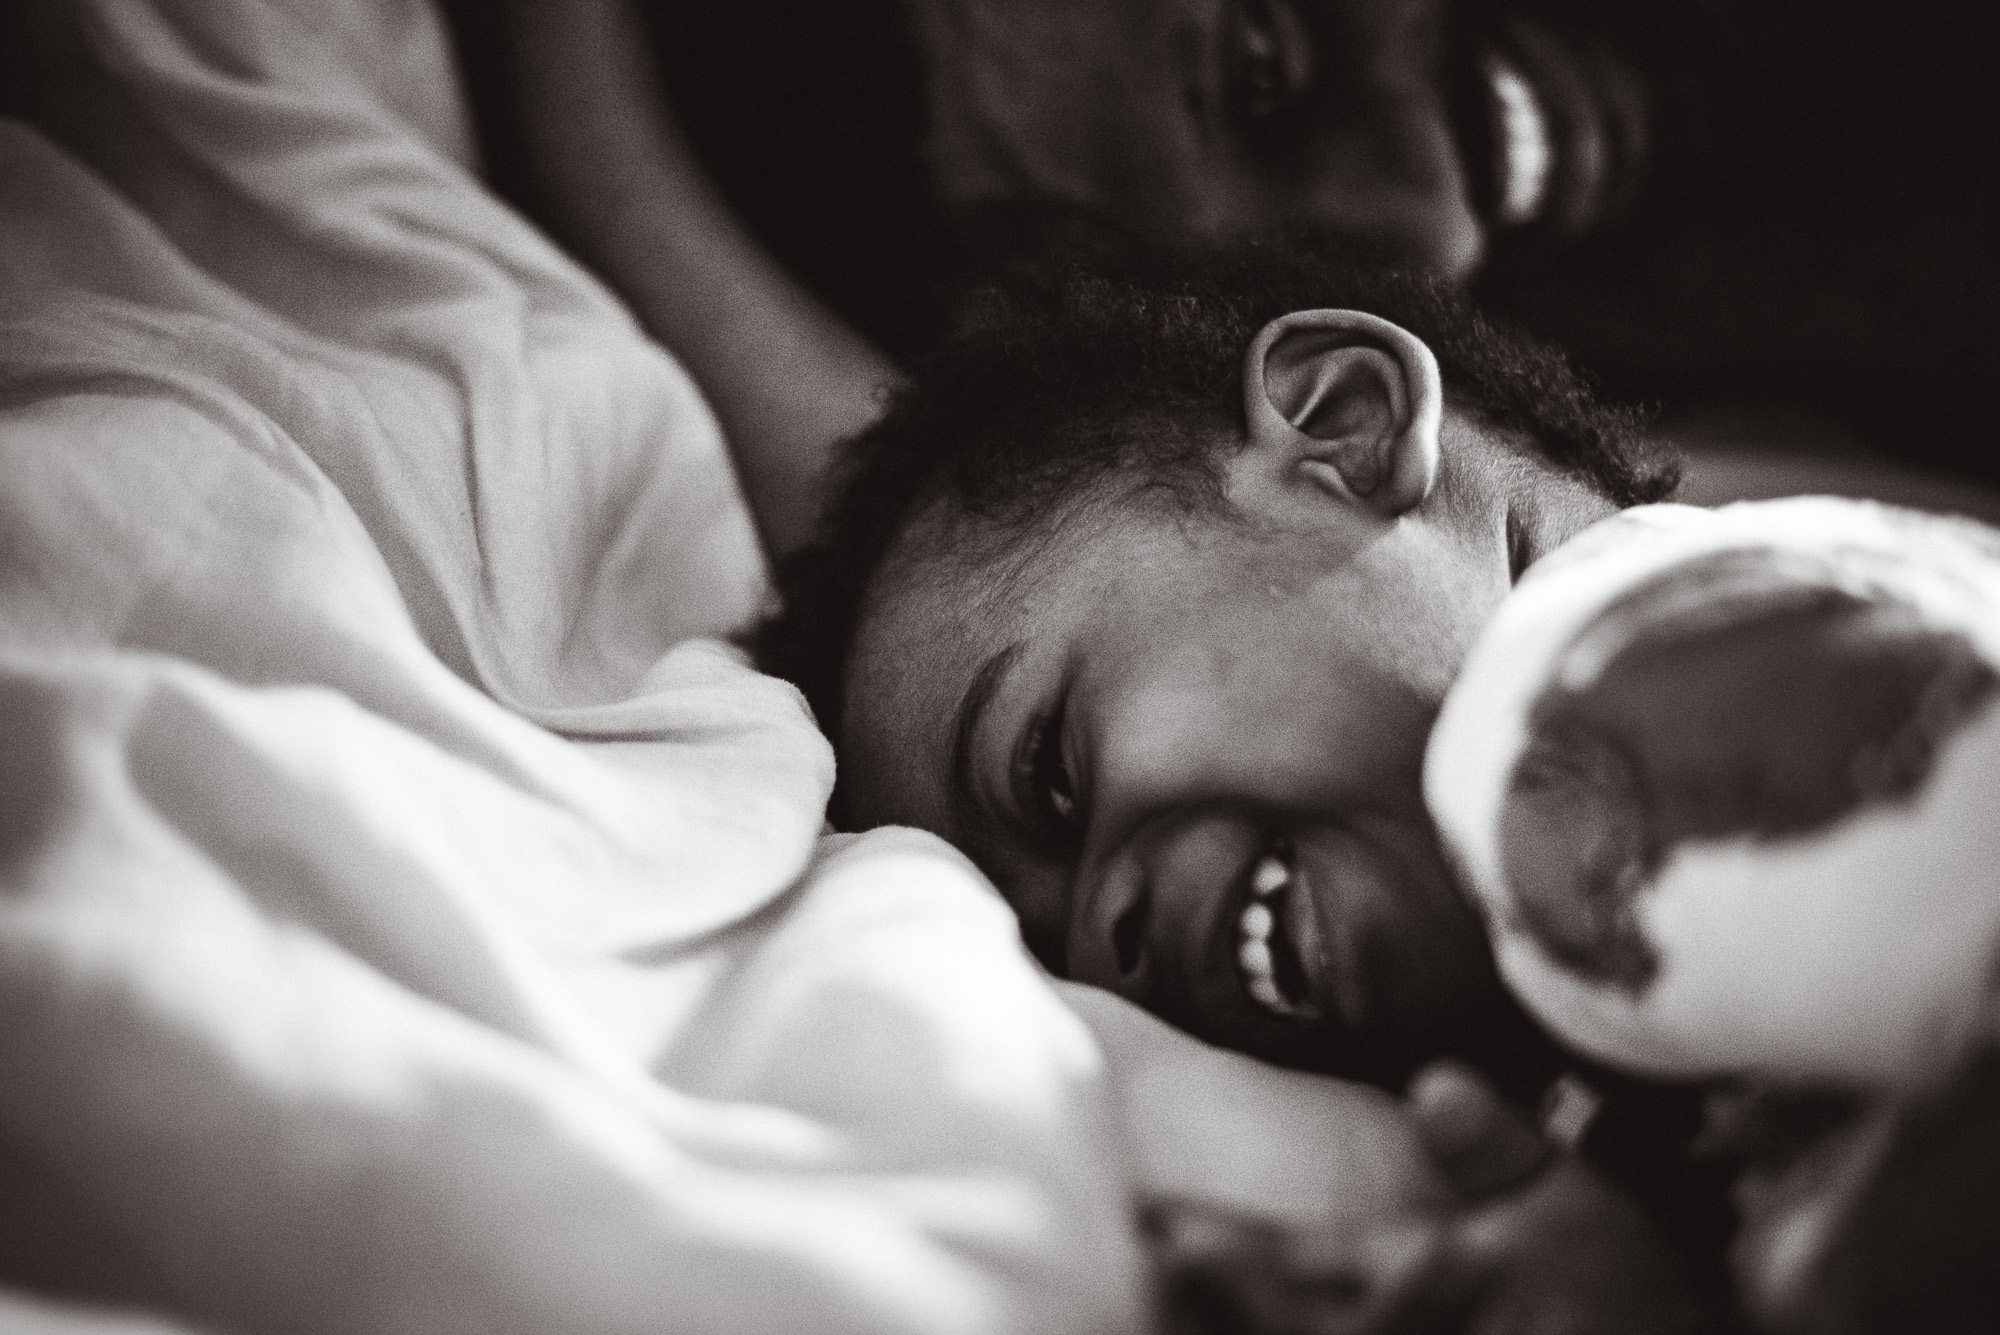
1266,955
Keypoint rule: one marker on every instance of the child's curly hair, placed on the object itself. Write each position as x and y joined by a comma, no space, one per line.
1101,361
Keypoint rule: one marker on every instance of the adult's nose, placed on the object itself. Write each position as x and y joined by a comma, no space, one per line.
1384,162
1399,184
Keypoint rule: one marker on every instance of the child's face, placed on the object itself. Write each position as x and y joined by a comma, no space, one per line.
1189,753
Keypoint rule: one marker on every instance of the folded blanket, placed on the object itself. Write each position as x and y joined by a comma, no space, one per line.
408,919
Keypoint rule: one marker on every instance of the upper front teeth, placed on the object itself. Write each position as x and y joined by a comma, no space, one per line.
1257,920
1257,926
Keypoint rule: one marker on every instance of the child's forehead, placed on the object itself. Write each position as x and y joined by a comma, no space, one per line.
956,589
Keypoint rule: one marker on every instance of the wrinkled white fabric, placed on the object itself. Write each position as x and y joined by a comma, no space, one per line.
408,920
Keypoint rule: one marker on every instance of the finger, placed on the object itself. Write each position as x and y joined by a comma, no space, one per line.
1481,1145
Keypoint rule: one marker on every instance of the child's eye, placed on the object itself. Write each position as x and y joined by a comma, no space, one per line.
1517,548
1051,793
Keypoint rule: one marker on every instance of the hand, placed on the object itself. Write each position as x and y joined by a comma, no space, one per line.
1542,1245
1536,1244
1226,1273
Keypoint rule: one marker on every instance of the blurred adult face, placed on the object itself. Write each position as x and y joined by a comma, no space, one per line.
1404,122
1165,734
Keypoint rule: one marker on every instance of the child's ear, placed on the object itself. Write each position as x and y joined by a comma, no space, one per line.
1346,401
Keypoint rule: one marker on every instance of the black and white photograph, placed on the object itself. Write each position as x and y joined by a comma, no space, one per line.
999,667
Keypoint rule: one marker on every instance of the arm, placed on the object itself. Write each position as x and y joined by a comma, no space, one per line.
1533,1244
786,378
1215,1128
1280,1201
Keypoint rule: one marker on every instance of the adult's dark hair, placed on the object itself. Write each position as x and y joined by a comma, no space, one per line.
1098,361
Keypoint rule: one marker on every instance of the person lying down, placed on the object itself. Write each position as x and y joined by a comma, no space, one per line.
1482,455
397,931
1147,594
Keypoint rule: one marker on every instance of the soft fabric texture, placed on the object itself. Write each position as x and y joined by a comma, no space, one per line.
411,918
1723,784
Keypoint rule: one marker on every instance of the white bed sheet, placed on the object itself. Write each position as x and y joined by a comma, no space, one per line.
410,919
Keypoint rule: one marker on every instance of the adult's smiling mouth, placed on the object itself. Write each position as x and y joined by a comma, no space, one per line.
1553,130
